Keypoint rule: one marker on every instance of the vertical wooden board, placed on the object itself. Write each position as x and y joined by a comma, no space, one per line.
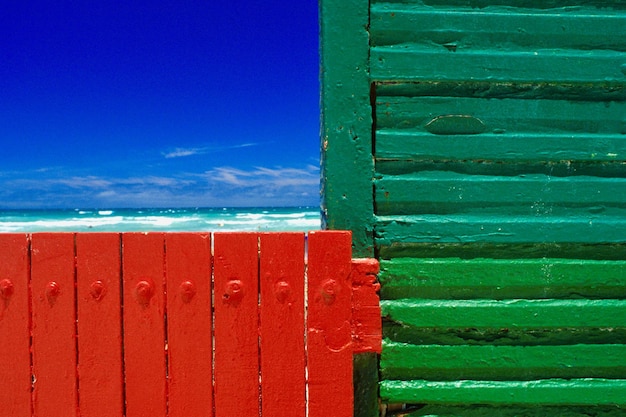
366,316
329,344
144,325
100,371
15,372
54,325
236,324
283,364
189,322
347,162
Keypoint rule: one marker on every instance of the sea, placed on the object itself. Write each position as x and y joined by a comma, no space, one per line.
263,219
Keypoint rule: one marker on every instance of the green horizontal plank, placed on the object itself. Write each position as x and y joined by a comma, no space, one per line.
505,336
508,28
502,90
446,187
391,143
405,361
596,251
509,314
472,410
541,392
414,64
391,230
557,5
561,168
438,192
501,278
502,115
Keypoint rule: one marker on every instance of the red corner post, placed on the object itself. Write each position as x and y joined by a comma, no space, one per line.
366,316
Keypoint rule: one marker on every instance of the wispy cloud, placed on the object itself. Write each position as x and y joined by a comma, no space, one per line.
183,152
220,186
267,177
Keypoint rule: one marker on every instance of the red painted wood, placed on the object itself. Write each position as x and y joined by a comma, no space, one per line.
54,325
100,369
144,326
236,324
15,374
329,348
366,315
282,324
188,264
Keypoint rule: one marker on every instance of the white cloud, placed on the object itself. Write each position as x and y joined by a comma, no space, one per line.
183,152
220,186
265,177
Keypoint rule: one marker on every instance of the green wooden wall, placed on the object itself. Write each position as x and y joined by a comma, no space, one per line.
478,149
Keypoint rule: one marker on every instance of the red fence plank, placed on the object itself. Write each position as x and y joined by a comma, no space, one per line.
101,379
366,315
15,373
144,326
188,264
54,325
282,324
166,368
236,324
329,346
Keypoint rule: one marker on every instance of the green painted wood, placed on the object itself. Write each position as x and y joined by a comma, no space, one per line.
419,63
515,28
501,278
404,361
498,89
499,229
502,115
505,336
501,168
525,194
585,391
508,411
365,380
347,165
596,251
501,314
545,4
519,147
497,132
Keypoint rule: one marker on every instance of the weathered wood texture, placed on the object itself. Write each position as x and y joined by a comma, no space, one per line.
15,368
497,131
499,197
329,338
529,332
498,122
346,137
347,147
281,273
53,318
100,372
189,324
182,324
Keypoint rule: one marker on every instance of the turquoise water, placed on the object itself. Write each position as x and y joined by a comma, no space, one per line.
165,220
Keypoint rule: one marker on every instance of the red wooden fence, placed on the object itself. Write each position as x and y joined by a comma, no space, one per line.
182,324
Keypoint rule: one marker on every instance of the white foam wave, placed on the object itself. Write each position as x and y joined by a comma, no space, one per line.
158,220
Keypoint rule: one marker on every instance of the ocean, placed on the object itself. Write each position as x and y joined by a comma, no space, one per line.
164,220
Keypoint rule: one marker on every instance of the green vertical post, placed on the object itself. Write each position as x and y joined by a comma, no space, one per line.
346,134
346,143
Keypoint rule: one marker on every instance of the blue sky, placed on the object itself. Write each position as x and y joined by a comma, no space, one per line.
159,103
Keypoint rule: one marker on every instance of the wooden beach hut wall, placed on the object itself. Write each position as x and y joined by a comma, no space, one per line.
477,148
